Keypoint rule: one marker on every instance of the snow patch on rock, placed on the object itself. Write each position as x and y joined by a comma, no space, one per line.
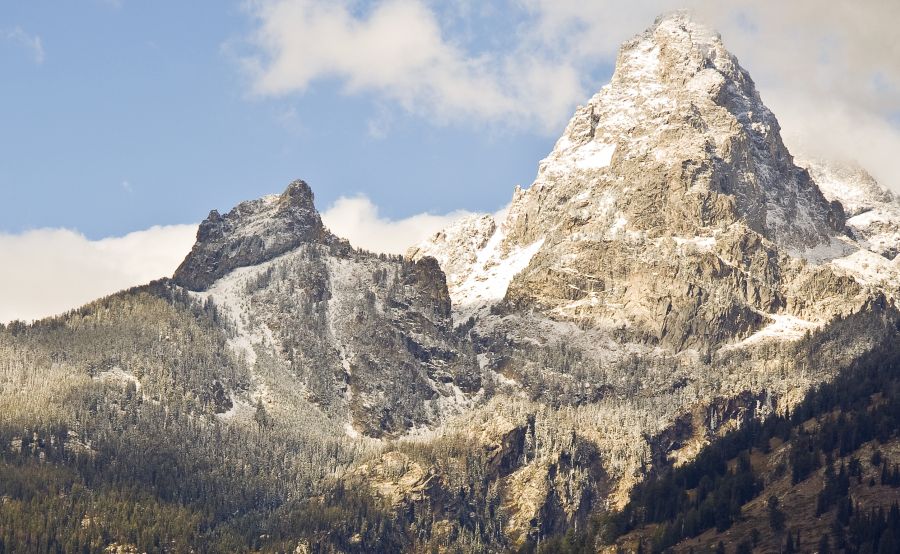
594,155
871,269
782,327
489,277
873,210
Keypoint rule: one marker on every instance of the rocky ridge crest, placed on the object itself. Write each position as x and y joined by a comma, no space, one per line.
364,338
253,232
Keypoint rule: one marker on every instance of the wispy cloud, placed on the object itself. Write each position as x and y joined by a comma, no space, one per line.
31,43
50,271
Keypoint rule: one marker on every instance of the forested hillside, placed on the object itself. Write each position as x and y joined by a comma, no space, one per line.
824,477
109,435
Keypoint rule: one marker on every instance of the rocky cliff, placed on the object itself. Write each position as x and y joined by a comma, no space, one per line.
253,232
366,338
670,257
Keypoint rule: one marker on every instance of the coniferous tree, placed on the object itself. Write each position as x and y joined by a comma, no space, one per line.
789,547
888,542
776,516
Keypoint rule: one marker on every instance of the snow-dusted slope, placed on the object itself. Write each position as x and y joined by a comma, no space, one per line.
873,211
849,184
871,269
367,339
479,271
661,214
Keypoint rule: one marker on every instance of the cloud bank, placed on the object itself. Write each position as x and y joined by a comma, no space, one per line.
399,51
357,220
49,271
837,62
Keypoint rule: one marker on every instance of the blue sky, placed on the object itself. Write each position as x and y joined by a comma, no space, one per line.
140,114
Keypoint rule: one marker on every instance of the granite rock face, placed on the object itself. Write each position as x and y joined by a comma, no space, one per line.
253,232
669,214
670,257
873,211
365,338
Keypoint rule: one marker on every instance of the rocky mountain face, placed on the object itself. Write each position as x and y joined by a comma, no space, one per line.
873,211
677,254
366,338
671,274
669,215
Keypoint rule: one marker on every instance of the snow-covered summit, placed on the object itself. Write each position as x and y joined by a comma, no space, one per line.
669,212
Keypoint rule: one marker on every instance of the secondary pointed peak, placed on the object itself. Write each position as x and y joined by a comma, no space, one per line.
298,194
253,232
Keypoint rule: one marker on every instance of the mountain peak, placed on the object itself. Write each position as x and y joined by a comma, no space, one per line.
679,23
682,123
253,232
675,48
297,194
671,168
680,61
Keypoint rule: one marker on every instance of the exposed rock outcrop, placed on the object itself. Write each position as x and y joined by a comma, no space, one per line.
366,338
253,232
873,210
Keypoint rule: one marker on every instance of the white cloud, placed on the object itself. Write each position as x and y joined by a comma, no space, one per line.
30,42
398,51
49,271
357,220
